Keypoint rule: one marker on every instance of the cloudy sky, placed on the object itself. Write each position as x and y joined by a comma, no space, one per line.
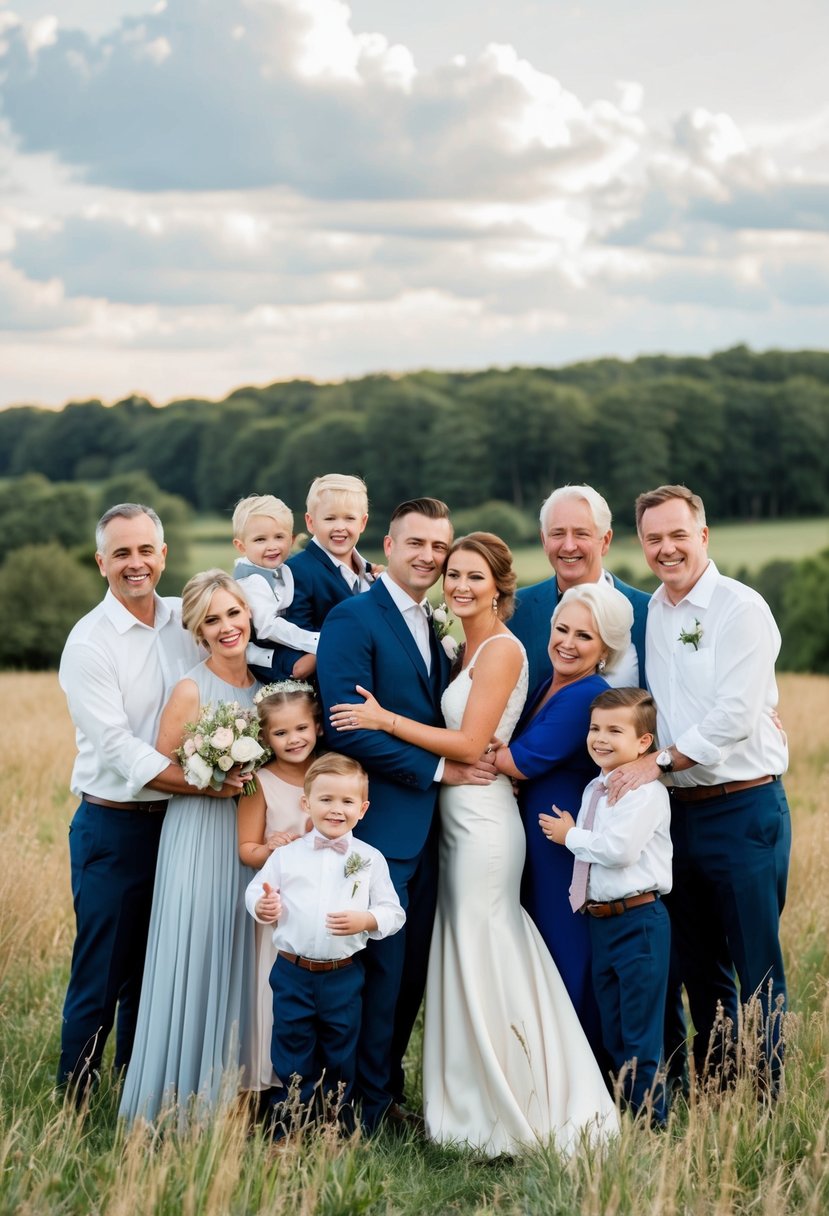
199,194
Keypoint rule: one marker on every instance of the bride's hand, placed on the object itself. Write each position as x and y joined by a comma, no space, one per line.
369,716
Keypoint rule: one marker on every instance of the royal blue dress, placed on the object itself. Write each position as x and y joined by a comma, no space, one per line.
550,750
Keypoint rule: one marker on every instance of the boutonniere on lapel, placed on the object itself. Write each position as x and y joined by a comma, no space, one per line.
691,637
355,864
442,621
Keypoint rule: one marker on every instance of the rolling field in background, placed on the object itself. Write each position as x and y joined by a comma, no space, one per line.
732,546
720,1155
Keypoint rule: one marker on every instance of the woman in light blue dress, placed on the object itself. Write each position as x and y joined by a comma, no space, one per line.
192,1041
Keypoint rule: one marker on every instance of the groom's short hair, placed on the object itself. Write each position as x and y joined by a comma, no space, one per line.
432,508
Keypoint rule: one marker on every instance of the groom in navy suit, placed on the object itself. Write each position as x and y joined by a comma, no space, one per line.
576,534
385,641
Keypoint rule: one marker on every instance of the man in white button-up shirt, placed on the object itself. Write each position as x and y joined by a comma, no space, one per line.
710,652
118,668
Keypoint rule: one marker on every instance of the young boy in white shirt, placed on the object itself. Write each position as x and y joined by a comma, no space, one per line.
325,894
622,869
263,532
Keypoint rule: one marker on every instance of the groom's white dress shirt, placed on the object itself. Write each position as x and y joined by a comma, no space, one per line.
118,674
315,881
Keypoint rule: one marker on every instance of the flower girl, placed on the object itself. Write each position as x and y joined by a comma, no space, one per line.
291,724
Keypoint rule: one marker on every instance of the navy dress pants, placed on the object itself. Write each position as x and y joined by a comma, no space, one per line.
731,861
395,970
113,856
315,1031
631,955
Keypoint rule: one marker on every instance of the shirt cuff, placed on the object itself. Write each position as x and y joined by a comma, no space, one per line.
439,770
258,655
144,768
697,748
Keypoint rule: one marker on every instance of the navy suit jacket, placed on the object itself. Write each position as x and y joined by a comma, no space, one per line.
318,585
366,641
534,606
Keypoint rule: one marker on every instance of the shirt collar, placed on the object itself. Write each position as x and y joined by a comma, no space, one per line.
124,620
402,600
604,577
351,573
309,838
700,594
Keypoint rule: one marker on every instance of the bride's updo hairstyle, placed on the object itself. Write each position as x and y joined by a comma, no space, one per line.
612,615
199,591
498,557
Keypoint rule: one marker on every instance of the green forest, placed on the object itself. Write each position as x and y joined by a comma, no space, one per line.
749,431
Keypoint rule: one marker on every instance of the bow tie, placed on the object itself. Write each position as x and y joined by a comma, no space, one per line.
340,844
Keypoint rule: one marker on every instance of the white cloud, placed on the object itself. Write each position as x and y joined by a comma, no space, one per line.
256,181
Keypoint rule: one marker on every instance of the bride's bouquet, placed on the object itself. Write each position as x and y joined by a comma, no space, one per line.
222,737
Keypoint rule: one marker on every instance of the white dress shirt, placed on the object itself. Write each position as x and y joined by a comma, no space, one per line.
715,702
268,604
360,579
629,846
117,674
414,613
313,882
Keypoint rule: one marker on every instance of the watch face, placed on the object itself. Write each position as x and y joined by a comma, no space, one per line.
664,761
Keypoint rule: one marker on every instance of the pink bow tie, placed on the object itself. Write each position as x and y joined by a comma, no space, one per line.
340,844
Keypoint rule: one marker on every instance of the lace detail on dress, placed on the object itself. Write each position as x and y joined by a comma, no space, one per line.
454,699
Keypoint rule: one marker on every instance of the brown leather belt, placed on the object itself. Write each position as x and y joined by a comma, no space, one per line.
699,793
147,807
315,964
615,907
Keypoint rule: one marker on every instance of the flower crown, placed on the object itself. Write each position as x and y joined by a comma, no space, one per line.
285,686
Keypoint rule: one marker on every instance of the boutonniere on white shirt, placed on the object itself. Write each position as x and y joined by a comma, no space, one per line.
355,864
692,637
443,621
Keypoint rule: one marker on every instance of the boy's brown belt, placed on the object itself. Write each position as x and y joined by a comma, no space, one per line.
316,964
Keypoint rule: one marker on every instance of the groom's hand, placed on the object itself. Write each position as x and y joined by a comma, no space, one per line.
480,772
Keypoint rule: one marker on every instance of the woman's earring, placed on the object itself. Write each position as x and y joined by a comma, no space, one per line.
495,603
602,664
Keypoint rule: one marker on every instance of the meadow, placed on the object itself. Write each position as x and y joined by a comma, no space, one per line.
719,1155
734,547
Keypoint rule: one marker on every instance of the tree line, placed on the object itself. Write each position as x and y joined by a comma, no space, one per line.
749,431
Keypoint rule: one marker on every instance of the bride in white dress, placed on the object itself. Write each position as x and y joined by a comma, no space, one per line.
506,1065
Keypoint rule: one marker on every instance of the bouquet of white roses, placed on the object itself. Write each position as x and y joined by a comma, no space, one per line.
222,737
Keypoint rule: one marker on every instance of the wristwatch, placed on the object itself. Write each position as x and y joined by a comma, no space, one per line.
665,761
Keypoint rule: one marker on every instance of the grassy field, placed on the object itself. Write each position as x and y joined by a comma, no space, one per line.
730,1155
733,547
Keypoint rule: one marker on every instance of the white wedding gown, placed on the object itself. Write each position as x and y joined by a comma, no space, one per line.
506,1065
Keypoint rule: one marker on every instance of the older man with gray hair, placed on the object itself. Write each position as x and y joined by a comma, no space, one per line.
118,668
576,534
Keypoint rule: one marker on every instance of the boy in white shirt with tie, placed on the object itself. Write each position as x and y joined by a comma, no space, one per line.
622,869
326,894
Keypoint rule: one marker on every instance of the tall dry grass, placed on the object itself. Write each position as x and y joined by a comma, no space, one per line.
719,1155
